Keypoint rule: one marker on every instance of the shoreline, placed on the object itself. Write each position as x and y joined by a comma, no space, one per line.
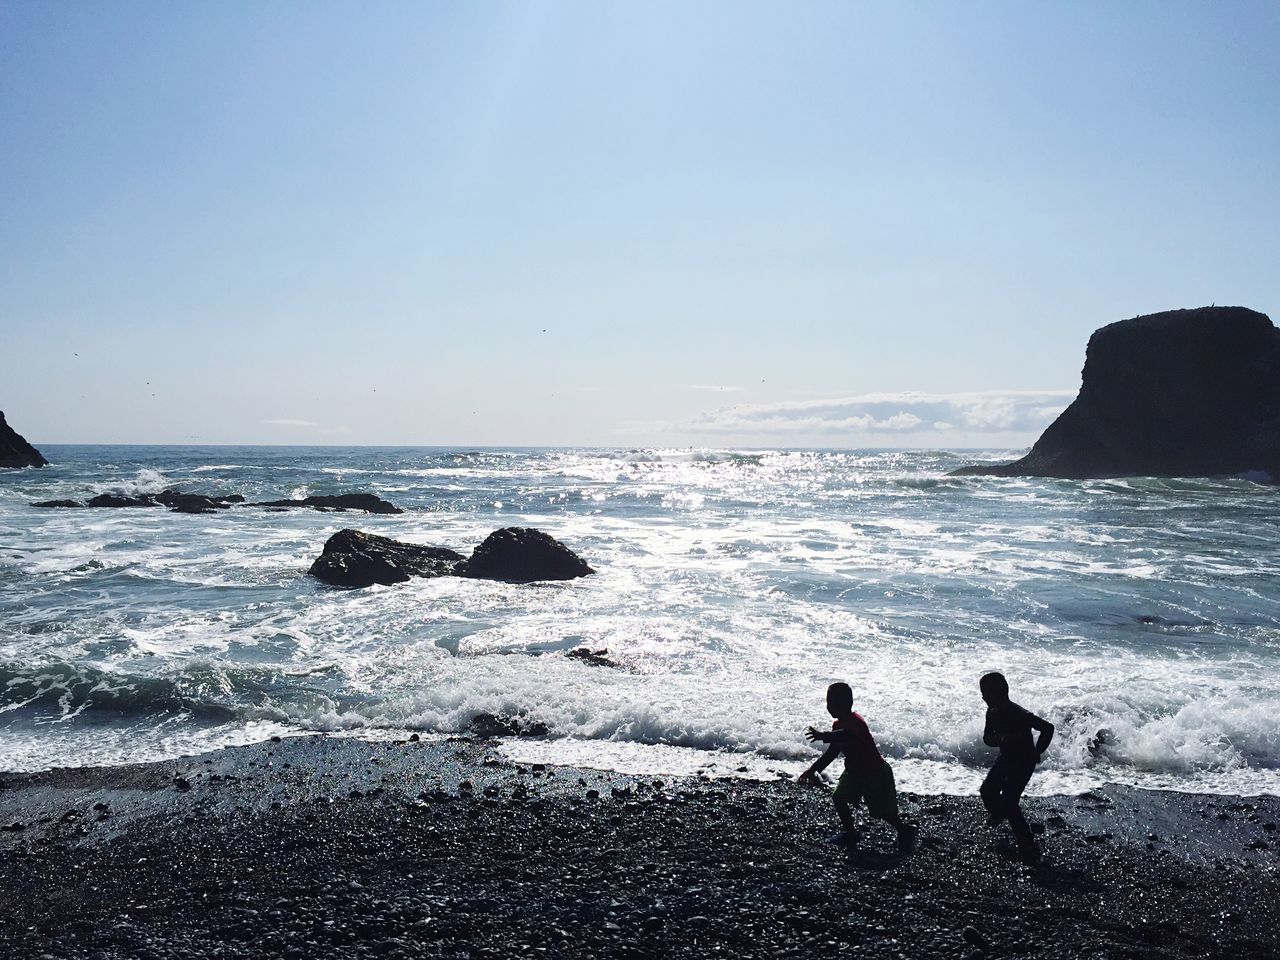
336,846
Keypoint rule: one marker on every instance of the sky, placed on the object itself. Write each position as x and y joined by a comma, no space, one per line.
625,224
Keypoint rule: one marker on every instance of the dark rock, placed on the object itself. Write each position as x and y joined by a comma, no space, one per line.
189,502
355,559
523,555
120,500
974,937
502,725
596,658
14,449
180,502
175,500
1181,393
368,502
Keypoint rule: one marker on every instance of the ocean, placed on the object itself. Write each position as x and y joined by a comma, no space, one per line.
1141,616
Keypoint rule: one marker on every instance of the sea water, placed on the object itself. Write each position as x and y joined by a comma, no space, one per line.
1142,616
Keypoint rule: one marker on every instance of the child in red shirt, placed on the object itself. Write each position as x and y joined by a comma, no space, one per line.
866,774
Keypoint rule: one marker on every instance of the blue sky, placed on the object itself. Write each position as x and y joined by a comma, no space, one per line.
845,224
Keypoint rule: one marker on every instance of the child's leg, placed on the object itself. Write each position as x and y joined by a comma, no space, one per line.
845,813
991,790
847,795
882,802
1010,797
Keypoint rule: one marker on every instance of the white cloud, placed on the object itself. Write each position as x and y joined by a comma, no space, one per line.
988,412
713,388
290,423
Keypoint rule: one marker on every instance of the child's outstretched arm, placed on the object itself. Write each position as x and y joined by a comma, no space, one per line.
828,755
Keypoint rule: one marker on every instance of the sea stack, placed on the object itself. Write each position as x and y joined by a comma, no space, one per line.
15,451
1184,393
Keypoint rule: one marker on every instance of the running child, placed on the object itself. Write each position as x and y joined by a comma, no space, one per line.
1009,727
866,774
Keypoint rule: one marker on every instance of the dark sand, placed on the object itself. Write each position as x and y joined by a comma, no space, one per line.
330,847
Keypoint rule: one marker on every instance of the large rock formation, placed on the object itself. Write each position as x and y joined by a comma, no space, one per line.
355,559
523,555
14,449
1181,393
515,554
369,502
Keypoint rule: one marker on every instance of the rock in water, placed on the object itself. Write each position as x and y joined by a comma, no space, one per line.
1175,394
368,502
355,559
121,500
15,451
180,502
523,555
58,503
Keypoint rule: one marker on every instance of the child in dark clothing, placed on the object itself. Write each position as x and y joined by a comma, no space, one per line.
866,774
1009,727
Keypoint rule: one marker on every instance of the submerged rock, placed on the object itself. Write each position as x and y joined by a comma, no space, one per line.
596,658
355,559
14,449
1181,393
523,555
58,503
368,502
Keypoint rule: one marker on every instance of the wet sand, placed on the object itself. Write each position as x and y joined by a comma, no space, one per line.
332,847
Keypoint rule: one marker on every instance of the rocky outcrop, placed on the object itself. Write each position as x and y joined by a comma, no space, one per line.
121,500
516,554
523,555
14,449
1181,393
180,502
368,502
354,559
175,500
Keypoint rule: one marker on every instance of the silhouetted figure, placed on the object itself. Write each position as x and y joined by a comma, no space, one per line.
1009,727
866,774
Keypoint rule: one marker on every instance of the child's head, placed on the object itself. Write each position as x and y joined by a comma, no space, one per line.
839,699
994,687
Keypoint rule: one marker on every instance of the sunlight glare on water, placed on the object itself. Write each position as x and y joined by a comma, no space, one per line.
1140,615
